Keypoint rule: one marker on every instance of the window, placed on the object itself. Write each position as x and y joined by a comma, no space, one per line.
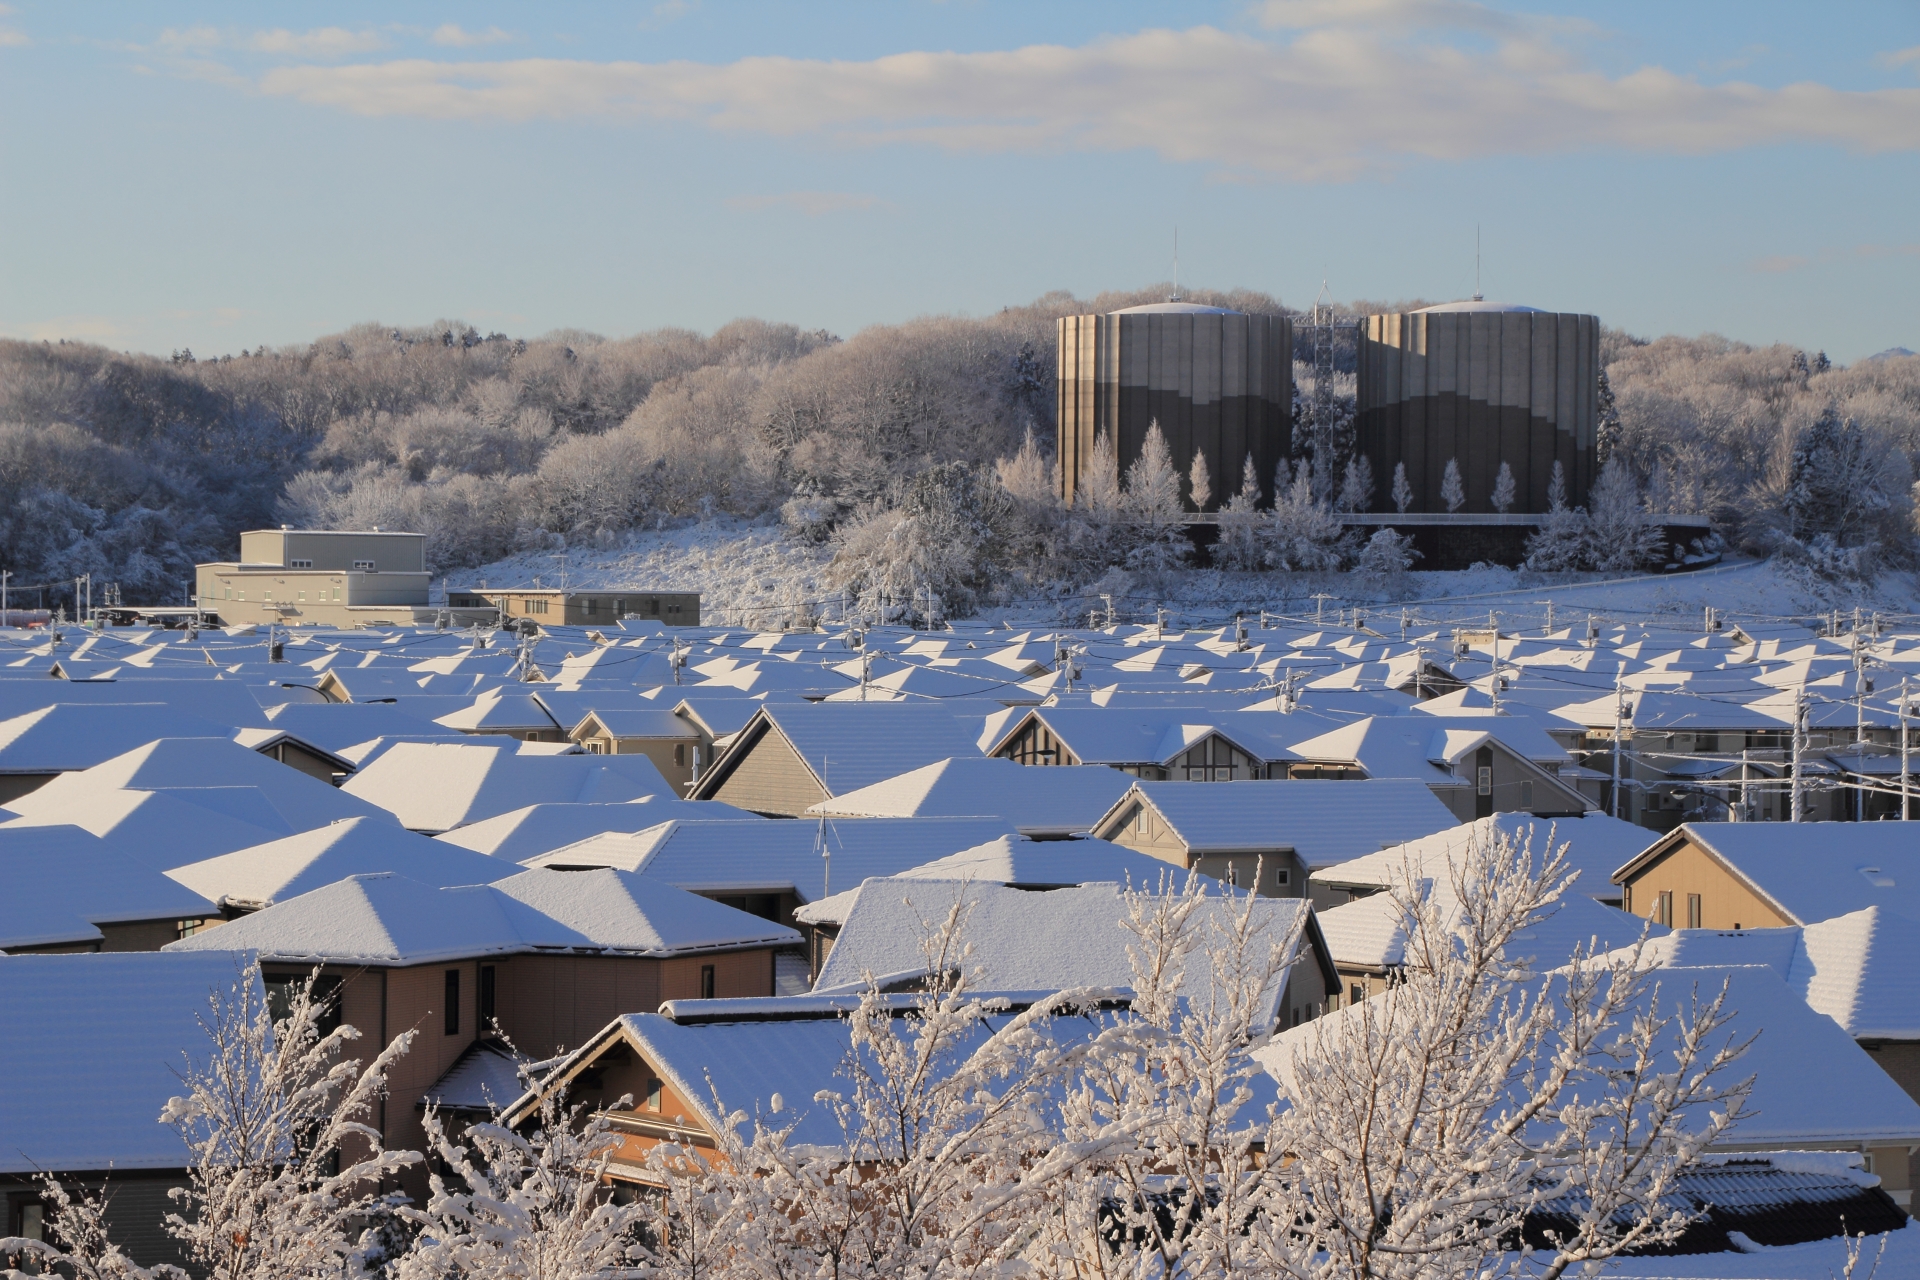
680,753
1663,909
592,606
33,1221
1526,795
486,996
453,1002
299,564
364,565
1693,911
1282,876
653,1093
1484,780
336,593
1356,992
326,991
300,595
534,606
706,982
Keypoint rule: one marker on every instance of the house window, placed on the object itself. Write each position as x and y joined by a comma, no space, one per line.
1484,780
364,565
592,606
1663,909
281,988
1526,795
1356,992
1693,911
1282,876
680,753
706,982
653,1093
300,595
32,1221
453,1002
299,564
486,995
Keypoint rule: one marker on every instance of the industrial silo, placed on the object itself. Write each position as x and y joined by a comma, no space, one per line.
1218,381
1483,383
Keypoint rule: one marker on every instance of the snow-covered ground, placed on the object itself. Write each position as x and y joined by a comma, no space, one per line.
754,575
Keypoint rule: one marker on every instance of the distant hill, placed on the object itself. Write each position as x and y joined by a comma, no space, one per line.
1891,353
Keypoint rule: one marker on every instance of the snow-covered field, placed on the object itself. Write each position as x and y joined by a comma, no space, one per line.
754,575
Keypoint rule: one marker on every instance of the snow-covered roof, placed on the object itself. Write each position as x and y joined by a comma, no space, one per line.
501,711
1175,308
1596,844
89,1047
1322,822
436,787
535,829
339,725
637,915
759,855
281,869
485,1077
1854,1101
226,703
1036,801
60,882
1809,871
1861,969
160,829
1478,304
849,745
67,736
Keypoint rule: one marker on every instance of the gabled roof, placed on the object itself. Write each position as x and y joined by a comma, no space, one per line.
60,883
89,1047
1807,871
1053,800
1142,735
1595,844
636,915
655,722
758,855
227,703
435,787
62,737
849,745
281,869
1322,822
535,829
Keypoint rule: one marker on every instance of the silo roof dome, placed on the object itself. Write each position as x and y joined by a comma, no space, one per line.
1475,304
1175,309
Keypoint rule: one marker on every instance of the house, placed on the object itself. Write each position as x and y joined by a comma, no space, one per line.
1473,765
671,741
40,745
1020,863
435,787
1855,1107
1762,875
1043,940
65,889
250,879
1202,746
507,710
1051,805
1285,830
159,830
788,758
520,835
601,607
332,577
89,1048
1594,844
546,958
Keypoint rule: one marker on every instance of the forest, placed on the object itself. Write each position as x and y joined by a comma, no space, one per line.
920,453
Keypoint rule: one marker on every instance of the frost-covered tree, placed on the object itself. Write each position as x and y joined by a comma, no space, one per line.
1385,558
1200,482
1623,536
77,1244
1301,534
1356,486
1402,491
1557,488
1152,504
1848,490
1241,545
284,1169
1607,428
1504,490
945,543
1452,491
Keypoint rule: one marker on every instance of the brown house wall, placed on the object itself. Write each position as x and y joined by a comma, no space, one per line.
1724,901
771,779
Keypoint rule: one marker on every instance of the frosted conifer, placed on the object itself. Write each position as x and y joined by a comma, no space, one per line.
1356,486
1402,491
1451,490
1200,482
1503,489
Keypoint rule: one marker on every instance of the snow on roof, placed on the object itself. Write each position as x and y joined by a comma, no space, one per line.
1861,969
1175,308
1323,822
339,725
280,869
89,1045
1595,844
226,703
160,829
1019,940
61,882
501,711
436,787
635,914
1051,800
760,855
535,829
849,745
1143,735
1816,871
653,722
70,736
485,1077
1791,1045
1480,305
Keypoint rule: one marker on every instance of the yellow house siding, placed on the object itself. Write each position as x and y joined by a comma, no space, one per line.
1725,902
771,778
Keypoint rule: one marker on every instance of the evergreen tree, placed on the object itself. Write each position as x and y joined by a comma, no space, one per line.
1152,500
1200,482
1451,489
1607,432
1402,491
1503,489
1623,537
1356,487
1239,546
1557,488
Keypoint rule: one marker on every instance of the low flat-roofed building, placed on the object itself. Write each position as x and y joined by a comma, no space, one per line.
331,577
601,607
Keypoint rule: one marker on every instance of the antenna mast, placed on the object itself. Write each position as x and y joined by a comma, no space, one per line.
1176,264
1477,297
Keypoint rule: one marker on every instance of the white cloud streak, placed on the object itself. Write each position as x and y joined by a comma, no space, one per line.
812,203
454,36
1330,102
10,38
321,42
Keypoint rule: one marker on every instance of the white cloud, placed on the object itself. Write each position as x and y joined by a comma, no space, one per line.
321,42
811,203
1329,102
12,38
1900,58
453,35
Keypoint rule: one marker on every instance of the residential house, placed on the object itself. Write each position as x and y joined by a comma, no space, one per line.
65,889
1762,875
1041,806
1593,846
788,758
1478,767
670,740
436,787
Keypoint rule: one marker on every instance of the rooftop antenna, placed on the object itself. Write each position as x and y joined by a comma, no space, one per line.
1477,296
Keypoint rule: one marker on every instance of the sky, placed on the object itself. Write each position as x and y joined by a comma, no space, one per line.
221,176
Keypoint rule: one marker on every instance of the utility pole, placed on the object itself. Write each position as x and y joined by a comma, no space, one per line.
1799,736
1493,685
1320,599
1860,686
1619,727
866,670
1740,814
1403,626
4,575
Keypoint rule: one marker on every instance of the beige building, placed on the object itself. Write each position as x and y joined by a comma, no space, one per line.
325,577
602,608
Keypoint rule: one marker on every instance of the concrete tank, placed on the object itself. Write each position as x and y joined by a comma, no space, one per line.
1482,382
1218,381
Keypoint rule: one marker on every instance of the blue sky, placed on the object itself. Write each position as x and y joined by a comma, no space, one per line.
222,175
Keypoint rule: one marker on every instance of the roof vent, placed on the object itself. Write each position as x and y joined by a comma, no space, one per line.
1877,878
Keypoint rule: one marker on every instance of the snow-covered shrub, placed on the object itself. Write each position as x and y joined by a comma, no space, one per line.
1242,541
1385,558
1301,535
1623,537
